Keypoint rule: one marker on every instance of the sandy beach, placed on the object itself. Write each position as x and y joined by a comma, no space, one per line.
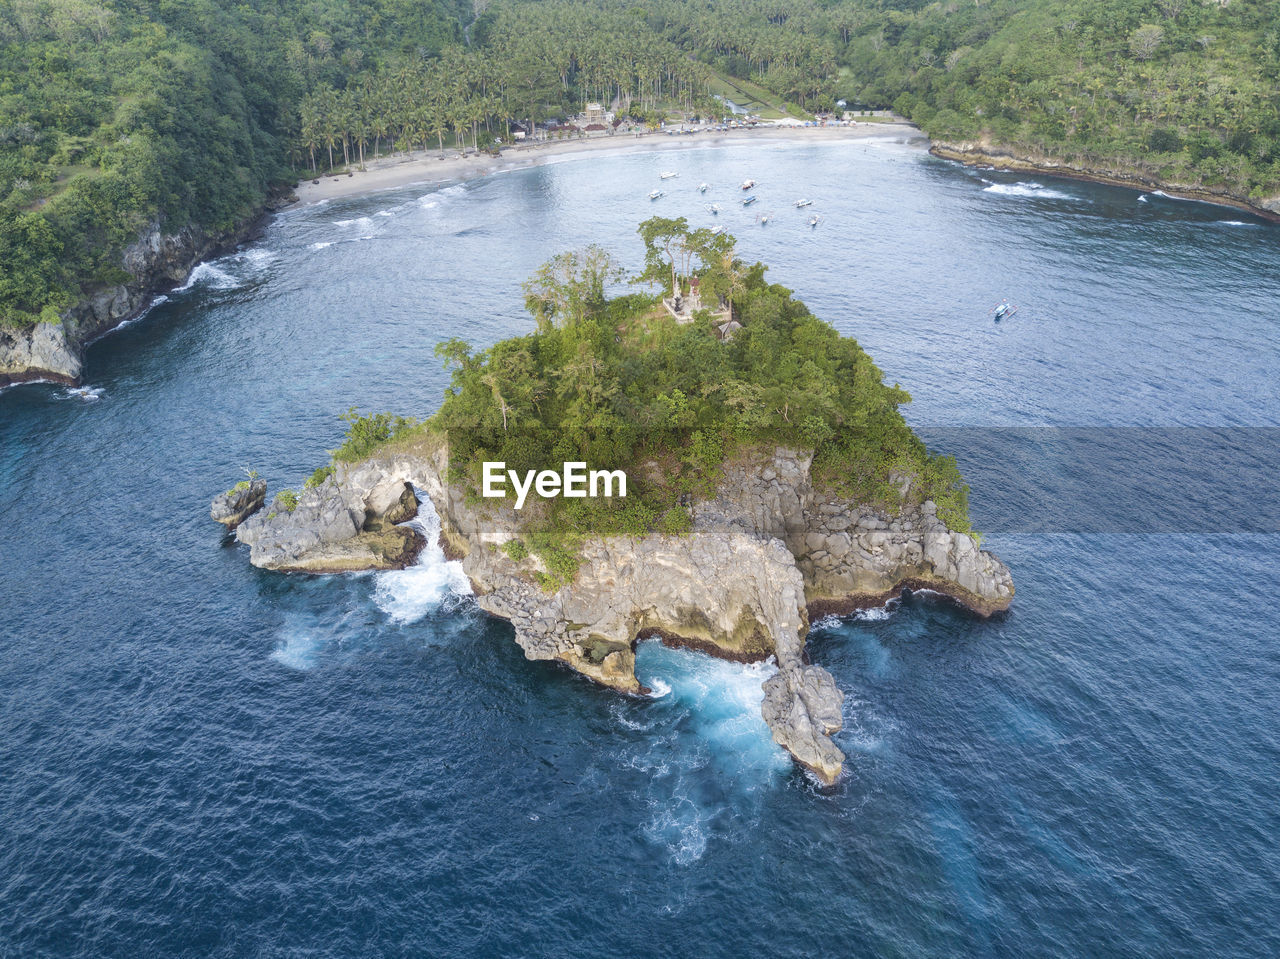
387,173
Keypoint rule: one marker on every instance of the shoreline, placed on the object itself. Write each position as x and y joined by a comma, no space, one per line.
389,173
999,159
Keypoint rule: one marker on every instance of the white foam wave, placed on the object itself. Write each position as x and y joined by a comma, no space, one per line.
876,615
297,650
1026,190
256,256
723,700
682,828
1143,198
211,276
150,306
355,221
1233,223
88,394
322,245
407,595
658,689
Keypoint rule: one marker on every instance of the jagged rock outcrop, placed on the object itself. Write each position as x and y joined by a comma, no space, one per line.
156,261
236,505
765,553
333,529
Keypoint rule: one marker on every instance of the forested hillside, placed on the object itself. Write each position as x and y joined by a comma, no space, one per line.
119,113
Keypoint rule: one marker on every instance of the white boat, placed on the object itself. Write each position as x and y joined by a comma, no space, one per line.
717,230
748,184
714,209
800,203
748,200
655,194
765,218
667,174
703,187
815,220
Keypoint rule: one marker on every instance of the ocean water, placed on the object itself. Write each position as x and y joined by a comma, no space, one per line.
199,758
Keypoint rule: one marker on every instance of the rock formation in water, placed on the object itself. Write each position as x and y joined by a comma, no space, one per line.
239,503
335,529
766,552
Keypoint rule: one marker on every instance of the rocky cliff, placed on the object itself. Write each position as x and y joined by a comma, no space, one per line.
156,261
764,552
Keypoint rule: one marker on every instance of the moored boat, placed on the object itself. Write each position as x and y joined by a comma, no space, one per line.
748,184
747,201
802,203
656,194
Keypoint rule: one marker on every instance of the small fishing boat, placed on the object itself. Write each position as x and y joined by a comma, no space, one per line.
703,187
656,194
748,184
717,230
764,218
667,174
714,209
815,220
1003,309
803,203
747,201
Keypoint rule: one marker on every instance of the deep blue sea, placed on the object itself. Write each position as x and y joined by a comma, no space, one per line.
198,758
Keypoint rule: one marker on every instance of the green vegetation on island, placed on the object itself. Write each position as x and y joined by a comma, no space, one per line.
622,383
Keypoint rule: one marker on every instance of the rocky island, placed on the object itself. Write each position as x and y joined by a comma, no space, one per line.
772,479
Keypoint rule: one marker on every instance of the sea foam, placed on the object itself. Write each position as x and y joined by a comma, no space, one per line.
1035,190
407,595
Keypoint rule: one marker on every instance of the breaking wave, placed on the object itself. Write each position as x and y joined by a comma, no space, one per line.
210,276
1035,190
433,582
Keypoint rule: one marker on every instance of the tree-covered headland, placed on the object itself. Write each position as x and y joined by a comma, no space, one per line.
618,383
116,114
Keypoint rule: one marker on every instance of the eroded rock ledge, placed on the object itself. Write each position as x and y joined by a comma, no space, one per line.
764,553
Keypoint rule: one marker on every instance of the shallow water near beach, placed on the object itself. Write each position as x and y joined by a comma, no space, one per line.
199,758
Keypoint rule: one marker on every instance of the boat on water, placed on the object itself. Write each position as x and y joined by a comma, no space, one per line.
667,174
656,194
803,203
747,201
748,184
717,230
815,220
764,218
703,187
714,209
1003,309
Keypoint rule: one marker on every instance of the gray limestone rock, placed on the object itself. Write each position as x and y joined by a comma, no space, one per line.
764,552
235,506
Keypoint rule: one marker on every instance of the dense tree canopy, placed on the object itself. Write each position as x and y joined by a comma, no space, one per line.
619,384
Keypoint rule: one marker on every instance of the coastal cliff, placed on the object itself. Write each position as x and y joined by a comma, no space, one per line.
1132,176
765,553
156,261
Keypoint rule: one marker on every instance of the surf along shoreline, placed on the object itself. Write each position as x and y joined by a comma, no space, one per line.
389,173
996,158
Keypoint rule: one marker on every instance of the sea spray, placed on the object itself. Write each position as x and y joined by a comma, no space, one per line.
407,595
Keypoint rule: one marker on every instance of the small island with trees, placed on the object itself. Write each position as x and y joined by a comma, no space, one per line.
771,478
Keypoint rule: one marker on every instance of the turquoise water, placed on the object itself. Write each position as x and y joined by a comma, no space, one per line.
198,758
